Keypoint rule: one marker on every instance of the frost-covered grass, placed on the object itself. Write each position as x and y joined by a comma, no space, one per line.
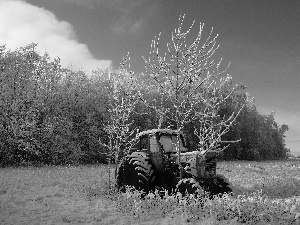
55,195
265,193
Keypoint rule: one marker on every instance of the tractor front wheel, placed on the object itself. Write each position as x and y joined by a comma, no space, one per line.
189,186
223,185
216,186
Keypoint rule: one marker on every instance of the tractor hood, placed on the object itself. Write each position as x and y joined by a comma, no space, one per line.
210,153
153,131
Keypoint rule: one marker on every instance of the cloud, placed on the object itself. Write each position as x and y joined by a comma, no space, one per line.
87,3
133,14
127,25
22,23
129,15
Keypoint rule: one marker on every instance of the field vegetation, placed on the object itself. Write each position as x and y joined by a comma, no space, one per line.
264,193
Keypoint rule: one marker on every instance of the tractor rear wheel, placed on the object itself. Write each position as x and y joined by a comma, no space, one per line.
189,186
136,171
223,185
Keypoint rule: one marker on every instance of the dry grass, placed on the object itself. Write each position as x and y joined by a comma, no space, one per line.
79,195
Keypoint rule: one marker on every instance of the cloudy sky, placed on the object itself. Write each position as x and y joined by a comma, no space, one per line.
259,38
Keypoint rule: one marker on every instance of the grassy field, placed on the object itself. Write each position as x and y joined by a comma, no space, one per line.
264,193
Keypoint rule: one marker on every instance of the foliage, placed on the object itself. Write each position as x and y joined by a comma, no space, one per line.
54,115
28,81
47,113
261,137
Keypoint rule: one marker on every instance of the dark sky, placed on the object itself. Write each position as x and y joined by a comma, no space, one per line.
261,39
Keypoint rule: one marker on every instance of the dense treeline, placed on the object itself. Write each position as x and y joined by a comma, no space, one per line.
53,115
261,137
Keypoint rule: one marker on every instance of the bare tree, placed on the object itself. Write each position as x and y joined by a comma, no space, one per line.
189,83
124,96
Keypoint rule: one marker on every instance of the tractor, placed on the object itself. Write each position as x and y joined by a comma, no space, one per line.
155,163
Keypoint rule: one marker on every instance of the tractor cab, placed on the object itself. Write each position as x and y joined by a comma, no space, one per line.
160,144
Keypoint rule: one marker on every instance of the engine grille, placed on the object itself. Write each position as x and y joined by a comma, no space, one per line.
211,167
